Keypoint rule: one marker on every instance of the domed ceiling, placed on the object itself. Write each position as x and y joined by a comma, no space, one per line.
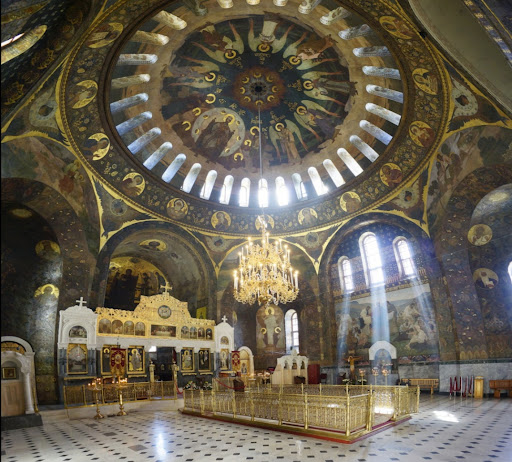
196,92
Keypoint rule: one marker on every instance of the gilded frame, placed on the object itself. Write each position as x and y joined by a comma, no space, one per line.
204,361
187,360
136,361
76,359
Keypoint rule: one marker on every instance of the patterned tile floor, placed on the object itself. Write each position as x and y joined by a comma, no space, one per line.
444,430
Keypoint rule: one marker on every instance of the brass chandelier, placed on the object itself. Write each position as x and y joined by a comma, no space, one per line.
264,271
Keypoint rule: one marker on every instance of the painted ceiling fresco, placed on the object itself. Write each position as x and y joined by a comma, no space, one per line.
226,82
226,85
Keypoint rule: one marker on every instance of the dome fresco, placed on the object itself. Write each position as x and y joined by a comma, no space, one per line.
215,86
184,92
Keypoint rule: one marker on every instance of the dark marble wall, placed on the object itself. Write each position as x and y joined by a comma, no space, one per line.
31,278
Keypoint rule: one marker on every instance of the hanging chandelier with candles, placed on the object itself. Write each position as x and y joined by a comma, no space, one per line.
264,271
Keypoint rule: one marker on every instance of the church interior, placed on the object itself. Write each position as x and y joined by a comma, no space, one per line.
202,197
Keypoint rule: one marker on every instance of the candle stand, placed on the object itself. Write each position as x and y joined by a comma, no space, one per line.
121,383
385,373
375,373
96,386
362,373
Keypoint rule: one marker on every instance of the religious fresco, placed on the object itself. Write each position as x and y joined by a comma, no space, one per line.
223,73
203,77
471,107
410,201
489,257
459,155
478,301
45,161
128,279
405,318
270,334
62,20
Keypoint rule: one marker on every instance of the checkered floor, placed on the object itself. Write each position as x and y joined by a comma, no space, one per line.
446,429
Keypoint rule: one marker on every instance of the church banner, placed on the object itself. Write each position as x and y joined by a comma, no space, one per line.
117,361
235,361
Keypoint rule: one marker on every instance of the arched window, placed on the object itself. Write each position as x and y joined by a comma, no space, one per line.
206,190
291,325
191,177
173,168
372,262
345,272
225,193
282,191
244,193
263,193
403,257
298,184
333,172
318,184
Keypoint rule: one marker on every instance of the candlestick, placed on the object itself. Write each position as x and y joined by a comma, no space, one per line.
96,386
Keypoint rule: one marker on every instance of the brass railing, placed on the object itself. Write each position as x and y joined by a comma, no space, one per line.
81,395
346,409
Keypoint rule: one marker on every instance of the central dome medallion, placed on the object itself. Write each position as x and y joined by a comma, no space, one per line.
223,74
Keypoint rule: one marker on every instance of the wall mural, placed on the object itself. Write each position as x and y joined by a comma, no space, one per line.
490,253
128,279
62,19
216,81
459,155
404,318
270,335
472,298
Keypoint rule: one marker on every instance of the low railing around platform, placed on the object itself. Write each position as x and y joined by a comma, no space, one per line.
345,409
81,395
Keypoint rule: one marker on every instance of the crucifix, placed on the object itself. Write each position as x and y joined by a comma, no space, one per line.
224,318
81,302
351,360
166,287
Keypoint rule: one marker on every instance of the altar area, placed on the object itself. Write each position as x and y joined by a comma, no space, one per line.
157,349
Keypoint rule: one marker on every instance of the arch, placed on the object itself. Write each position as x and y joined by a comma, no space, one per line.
381,345
26,365
403,257
197,252
281,191
263,193
207,188
333,172
227,187
245,190
345,273
318,184
247,351
191,177
372,261
173,168
291,327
